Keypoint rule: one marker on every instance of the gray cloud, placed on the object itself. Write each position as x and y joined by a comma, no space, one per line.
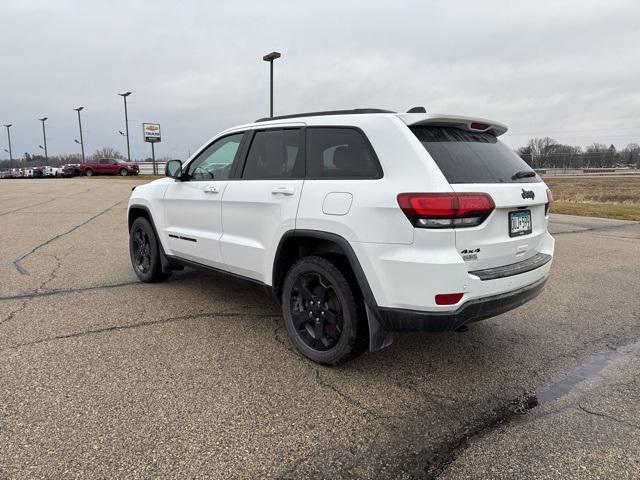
567,69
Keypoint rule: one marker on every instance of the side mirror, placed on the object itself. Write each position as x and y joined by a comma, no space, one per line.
173,169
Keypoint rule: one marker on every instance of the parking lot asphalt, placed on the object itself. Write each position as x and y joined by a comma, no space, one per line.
102,376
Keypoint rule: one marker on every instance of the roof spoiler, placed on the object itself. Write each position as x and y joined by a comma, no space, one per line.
472,124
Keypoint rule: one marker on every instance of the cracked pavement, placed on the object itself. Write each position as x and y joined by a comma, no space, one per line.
103,376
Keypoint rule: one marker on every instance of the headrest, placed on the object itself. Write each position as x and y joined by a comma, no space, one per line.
275,153
350,159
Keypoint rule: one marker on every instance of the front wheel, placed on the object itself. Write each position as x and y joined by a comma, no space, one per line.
320,311
145,252
88,172
123,172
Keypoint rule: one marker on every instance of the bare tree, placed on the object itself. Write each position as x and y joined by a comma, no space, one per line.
596,155
107,152
542,150
631,154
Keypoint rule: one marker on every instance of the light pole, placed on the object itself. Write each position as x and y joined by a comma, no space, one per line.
44,136
81,142
126,122
270,58
9,138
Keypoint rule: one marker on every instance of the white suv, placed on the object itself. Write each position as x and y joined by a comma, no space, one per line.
361,223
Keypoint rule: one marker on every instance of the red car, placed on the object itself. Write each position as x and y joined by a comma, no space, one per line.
108,166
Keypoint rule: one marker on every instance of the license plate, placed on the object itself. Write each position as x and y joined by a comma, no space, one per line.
519,223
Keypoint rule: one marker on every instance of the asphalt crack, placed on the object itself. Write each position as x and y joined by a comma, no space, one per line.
131,326
595,229
14,312
24,208
17,261
608,417
52,275
441,457
49,199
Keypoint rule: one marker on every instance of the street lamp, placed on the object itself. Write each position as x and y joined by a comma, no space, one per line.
44,136
9,138
81,142
126,122
270,58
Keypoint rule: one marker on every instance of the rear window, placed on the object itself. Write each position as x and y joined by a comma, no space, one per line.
339,152
470,157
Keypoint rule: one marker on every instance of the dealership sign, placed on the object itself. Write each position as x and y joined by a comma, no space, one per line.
151,132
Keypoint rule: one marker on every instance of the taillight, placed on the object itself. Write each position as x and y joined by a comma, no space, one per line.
547,206
446,210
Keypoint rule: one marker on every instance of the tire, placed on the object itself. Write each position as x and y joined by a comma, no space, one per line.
88,172
145,252
325,332
123,172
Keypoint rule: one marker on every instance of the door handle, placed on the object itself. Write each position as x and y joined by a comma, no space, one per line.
212,189
283,191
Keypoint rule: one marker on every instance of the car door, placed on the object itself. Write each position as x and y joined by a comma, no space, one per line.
193,208
114,167
261,205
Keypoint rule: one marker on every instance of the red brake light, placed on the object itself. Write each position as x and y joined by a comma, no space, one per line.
448,298
479,126
446,210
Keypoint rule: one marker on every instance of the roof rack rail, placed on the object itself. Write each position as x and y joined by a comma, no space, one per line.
354,111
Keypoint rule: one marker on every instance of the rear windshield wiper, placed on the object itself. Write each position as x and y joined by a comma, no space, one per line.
523,174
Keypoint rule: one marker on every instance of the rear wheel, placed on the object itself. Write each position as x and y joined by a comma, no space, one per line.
145,252
123,172
88,172
320,311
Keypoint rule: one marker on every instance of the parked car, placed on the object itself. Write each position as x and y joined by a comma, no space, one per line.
361,223
52,171
108,166
71,170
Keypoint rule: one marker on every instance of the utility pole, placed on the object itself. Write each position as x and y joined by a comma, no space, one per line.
126,123
79,109
9,138
44,137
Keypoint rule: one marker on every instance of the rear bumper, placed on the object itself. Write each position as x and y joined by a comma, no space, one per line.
408,277
401,320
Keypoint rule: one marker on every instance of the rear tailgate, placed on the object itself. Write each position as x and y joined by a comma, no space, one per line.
473,160
492,243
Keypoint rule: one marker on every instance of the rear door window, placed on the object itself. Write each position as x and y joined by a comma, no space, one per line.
339,153
471,157
275,154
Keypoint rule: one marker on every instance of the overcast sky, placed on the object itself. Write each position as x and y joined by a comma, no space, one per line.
566,69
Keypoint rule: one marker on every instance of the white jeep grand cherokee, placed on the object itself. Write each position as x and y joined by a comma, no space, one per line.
361,223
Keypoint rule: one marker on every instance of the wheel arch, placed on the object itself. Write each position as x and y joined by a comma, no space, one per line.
136,211
295,244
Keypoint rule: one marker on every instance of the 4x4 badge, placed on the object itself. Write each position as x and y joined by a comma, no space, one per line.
528,194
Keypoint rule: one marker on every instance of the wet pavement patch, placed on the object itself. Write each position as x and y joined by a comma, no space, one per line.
444,455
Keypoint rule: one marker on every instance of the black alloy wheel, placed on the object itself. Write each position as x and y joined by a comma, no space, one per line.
141,250
316,311
145,252
320,311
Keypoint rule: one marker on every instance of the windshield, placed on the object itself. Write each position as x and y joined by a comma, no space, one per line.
471,157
